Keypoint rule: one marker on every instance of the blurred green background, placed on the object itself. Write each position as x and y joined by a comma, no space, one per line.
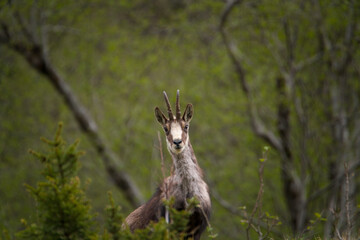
118,57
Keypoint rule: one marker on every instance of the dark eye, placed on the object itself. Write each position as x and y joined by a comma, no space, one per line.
186,127
166,129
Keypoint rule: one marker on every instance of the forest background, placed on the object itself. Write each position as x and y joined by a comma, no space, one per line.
283,74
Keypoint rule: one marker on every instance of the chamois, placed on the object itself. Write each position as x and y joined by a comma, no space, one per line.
186,180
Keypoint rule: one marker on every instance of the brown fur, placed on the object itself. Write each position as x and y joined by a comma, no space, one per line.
143,215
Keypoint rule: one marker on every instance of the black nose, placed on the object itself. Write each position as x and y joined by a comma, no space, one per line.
177,141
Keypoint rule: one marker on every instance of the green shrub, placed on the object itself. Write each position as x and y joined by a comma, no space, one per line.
64,212
62,208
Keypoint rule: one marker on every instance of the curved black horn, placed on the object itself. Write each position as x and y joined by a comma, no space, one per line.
171,116
177,105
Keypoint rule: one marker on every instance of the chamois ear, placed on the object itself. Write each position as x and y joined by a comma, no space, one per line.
160,117
188,113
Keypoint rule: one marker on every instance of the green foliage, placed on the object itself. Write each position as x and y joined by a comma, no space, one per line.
114,220
4,235
162,230
63,212
118,56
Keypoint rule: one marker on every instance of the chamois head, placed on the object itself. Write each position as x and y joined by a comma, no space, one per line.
176,127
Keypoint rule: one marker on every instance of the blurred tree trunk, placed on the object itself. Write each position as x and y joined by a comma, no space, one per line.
343,108
294,189
342,98
34,53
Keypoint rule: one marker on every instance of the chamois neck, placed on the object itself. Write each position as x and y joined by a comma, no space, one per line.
186,161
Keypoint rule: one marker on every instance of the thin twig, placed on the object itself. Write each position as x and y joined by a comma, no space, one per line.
338,234
206,218
165,184
235,211
335,215
258,203
347,201
161,156
334,182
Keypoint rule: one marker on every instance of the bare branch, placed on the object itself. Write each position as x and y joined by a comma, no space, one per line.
258,203
307,62
347,201
348,40
5,37
230,47
258,127
25,30
38,60
230,4
235,211
335,182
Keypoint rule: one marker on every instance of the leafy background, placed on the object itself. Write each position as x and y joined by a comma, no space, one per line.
118,57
